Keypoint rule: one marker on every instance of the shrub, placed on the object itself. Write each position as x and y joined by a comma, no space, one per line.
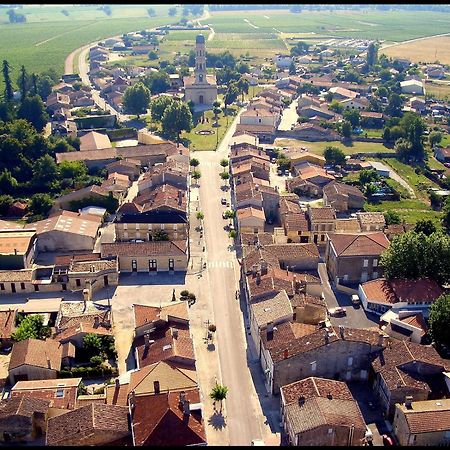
184,293
96,360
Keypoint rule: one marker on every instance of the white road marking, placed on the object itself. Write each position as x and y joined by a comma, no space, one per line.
220,264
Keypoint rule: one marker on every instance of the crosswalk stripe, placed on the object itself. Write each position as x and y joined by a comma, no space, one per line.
220,264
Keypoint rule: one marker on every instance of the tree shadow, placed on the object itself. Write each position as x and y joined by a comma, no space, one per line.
211,347
217,421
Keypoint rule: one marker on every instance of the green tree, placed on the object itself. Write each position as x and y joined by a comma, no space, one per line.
446,215
292,69
196,175
387,134
219,394
367,176
45,172
231,94
425,226
194,162
243,86
6,201
92,344
301,48
224,162
403,148
397,132
158,107
229,214
336,106
394,107
176,118
346,129
136,99
434,138
224,175
157,82
31,327
152,55
353,116
160,235
392,218
200,215
382,92
23,83
439,321
7,182
40,204
73,169
9,91
32,108
371,54
44,86
334,156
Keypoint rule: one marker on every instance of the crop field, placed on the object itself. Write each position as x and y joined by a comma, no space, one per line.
388,26
426,50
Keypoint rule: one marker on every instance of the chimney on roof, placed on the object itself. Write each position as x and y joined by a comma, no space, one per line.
175,333
49,363
327,337
117,382
341,331
286,354
156,387
301,400
258,277
408,401
330,396
263,267
182,396
96,321
380,340
180,197
15,251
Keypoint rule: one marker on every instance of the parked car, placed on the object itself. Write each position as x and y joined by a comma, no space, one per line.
287,172
337,311
355,299
223,200
279,172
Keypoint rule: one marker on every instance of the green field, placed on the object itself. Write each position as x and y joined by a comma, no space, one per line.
318,147
49,36
388,26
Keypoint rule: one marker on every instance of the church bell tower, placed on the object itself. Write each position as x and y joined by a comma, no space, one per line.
200,60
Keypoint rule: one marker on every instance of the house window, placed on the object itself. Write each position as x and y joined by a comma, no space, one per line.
313,366
375,275
125,235
2,286
22,286
350,361
345,277
125,226
138,235
36,287
162,226
175,226
200,78
137,226
375,262
59,393
330,430
78,282
366,263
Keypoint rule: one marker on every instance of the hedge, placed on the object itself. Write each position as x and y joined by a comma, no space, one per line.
89,372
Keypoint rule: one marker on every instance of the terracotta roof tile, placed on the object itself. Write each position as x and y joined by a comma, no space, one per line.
272,309
153,248
318,214
359,244
34,352
80,425
144,314
22,406
7,323
159,420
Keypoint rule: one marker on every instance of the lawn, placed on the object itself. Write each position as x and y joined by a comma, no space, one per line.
208,142
318,147
409,210
418,182
440,91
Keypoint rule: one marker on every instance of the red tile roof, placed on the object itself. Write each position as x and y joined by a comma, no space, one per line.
369,244
7,321
159,420
34,352
144,314
153,248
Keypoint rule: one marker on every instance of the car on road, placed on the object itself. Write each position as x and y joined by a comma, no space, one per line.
287,172
279,172
223,200
355,300
337,311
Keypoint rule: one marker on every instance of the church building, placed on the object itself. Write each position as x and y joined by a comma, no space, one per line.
200,88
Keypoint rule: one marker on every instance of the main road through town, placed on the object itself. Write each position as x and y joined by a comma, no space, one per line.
244,416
